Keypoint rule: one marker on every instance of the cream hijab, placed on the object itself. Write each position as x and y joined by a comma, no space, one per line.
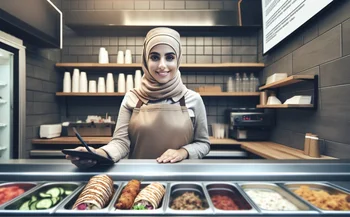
150,89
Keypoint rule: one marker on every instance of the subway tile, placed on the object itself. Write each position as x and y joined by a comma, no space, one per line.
156,5
211,110
82,5
139,40
335,72
66,5
236,40
191,50
336,14
103,4
191,41
226,50
184,50
199,50
249,40
200,79
123,5
138,50
217,50
191,79
191,59
226,41
183,59
130,41
49,87
76,41
29,108
96,41
310,33
29,95
112,50
137,59
199,41
346,37
85,59
249,59
336,149
34,84
216,59
209,79
74,4
216,5
244,50
90,4
283,65
80,50
324,48
226,59
219,79
237,59
69,59
208,41
294,42
183,78
335,102
105,41
122,41
176,5
142,5
197,5
208,50
217,41
113,41
203,59
183,41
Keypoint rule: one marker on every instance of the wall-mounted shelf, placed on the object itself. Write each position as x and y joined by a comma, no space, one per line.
286,106
2,84
201,93
287,81
184,67
2,101
3,125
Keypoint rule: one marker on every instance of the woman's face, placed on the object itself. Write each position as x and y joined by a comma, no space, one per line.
162,63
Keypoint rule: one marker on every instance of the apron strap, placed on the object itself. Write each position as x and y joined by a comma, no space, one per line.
182,102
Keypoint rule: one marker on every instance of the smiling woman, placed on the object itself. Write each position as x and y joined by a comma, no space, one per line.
161,120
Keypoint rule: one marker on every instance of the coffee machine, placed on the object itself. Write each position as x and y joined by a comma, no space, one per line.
249,124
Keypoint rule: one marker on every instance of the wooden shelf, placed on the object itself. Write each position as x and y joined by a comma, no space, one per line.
202,94
286,106
105,140
287,81
186,66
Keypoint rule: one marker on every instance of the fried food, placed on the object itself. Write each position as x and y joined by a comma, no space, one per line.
323,199
128,195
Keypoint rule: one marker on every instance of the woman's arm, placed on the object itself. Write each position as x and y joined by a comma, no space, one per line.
119,146
201,144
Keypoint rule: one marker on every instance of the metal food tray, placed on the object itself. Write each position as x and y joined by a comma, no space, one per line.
304,208
178,188
332,189
13,207
231,190
66,207
159,210
26,186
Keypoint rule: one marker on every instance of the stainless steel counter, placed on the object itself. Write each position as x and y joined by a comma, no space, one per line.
335,172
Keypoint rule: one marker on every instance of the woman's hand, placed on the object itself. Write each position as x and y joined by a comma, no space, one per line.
172,156
85,163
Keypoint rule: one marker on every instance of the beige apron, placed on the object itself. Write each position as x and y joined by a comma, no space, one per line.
155,128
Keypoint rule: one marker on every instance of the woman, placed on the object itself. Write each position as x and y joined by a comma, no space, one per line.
161,120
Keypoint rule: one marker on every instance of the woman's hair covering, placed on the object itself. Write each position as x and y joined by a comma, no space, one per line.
150,89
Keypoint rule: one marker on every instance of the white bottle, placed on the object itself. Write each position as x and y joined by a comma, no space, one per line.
245,83
230,85
252,82
238,83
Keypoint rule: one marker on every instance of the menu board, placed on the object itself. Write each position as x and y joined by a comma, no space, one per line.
282,17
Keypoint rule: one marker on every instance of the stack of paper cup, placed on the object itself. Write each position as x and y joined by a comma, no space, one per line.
67,83
83,83
75,81
110,83
103,56
128,59
101,85
138,78
92,86
121,83
129,83
120,57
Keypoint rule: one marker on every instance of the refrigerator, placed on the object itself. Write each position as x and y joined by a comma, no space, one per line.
12,97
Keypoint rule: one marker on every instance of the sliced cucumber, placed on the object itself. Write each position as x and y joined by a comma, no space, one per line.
55,200
33,199
68,192
44,195
61,190
32,206
25,205
54,192
44,204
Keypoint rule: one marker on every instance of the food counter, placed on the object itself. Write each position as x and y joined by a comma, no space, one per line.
191,188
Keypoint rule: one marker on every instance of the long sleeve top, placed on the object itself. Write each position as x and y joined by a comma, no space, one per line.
119,146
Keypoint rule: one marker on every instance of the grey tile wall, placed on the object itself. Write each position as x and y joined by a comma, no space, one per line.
42,83
197,49
321,47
